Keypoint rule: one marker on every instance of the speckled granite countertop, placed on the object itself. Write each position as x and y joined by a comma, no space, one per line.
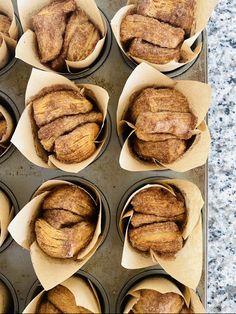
222,170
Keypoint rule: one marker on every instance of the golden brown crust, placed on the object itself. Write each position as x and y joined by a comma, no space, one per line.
81,37
157,100
67,223
83,42
78,17
64,242
3,128
64,300
164,151
163,238
152,53
59,218
150,30
78,145
49,26
152,301
177,13
47,307
159,202
5,23
72,199
139,220
153,137
50,132
176,123
57,104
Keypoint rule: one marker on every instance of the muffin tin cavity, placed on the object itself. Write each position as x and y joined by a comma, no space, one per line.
201,39
14,306
101,293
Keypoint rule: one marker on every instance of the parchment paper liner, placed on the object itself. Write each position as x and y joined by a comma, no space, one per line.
50,271
83,291
27,50
203,12
4,297
187,265
23,137
10,125
6,215
8,42
199,98
163,285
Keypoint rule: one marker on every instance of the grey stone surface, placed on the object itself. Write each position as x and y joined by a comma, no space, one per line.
222,169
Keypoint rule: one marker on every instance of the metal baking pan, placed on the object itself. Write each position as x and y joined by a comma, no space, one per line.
22,178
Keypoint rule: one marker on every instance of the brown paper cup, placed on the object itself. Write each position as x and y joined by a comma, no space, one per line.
8,42
23,137
26,49
45,266
82,290
203,12
199,98
186,267
163,285
6,215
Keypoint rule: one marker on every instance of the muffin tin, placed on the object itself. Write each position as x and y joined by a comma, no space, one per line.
23,178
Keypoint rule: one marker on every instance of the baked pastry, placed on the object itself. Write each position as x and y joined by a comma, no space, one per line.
178,124
165,152
151,301
49,26
163,124
157,100
67,222
60,300
150,30
162,237
6,129
159,202
5,23
57,104
177,13
153,53
64,32
4,298
155,29
3,127
157,221
50,132
81,37
139,220
67,124
77,146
